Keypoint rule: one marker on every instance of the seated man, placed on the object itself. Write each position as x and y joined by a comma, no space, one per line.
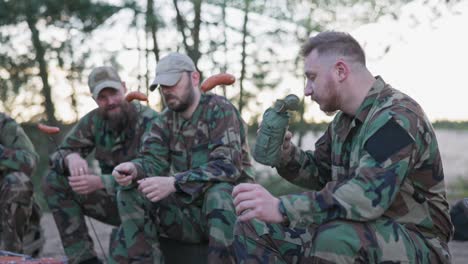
377,192
72,190
191,159
17,162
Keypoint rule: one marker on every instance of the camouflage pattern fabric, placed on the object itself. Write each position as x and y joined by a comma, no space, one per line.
376,184
17,162
207,155
111,146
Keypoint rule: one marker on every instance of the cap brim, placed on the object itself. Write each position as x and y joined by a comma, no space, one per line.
106,84
166,79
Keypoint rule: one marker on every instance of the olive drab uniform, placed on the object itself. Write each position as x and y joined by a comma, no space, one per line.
111,147
207,154
17,206
377,192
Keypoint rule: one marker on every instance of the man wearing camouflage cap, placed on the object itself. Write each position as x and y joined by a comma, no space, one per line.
375,179
73,189
191,159
17,162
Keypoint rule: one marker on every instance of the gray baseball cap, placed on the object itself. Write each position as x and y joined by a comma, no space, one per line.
170,69
103,77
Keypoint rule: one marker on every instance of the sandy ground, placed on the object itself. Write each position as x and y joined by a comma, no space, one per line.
53,247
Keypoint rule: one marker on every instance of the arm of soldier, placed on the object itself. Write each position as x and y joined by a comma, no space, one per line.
384,164
224,159
17,152
307,169
77,144
153,157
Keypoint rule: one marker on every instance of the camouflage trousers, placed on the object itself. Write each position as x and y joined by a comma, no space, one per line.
339,241
209,220
69,210
16,206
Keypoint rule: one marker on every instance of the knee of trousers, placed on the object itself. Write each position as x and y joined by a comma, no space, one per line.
17,187
339,237
131,199
219,197
218,206
54,183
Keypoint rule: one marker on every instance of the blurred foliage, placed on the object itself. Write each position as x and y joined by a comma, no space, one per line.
446,124
57,34
458,189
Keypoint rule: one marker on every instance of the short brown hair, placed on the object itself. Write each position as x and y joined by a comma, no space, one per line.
333,42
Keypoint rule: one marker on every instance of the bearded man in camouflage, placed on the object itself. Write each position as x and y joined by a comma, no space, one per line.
17,162
376,182
191,159
72,189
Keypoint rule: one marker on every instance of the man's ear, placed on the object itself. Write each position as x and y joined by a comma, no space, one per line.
195,78
342,70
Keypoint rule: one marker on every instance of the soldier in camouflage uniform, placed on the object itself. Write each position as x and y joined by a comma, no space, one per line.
376,182
191,159
72,189
17,162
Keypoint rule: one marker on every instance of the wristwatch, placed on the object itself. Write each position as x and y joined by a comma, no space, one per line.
282,210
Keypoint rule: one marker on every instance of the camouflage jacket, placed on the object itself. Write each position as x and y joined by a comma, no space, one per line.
210,147
110,147
384,162
16,150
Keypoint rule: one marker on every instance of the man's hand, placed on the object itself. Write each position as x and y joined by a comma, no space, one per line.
84,184
124,173
254,201
157,188
76,164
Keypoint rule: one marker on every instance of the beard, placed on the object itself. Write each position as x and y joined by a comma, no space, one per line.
330,102
181,104
119,120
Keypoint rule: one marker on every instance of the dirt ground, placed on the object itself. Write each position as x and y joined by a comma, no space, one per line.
53,246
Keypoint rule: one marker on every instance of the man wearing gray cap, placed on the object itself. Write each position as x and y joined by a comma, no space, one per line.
72,189
183,178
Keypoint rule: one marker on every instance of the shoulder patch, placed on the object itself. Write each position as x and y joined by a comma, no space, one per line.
388,140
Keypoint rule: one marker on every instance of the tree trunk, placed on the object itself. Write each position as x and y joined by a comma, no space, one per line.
244,54
152,26
192,51
43,73
224,69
